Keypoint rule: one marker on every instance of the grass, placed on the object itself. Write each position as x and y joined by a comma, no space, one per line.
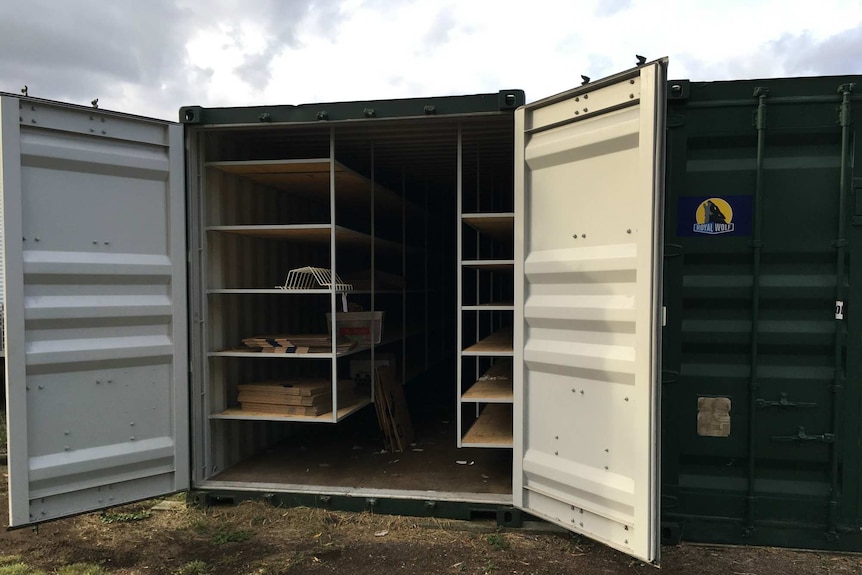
193,568
498,541
82,569
226,534
19,568
124,517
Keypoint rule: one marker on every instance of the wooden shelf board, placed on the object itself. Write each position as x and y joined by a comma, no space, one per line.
241,291
317,233
490,306
259,355
309,179
499,342
497,265
495,385
497,226
390,336
354,404
493,428
490,392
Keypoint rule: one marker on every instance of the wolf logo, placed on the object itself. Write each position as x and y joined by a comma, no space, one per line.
714,216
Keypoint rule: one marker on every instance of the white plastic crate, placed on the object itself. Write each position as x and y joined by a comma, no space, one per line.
363,327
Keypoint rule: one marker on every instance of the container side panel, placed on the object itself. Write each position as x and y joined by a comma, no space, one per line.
589,329
97,369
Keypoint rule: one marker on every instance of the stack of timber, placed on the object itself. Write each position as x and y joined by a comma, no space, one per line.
296,343
294,397
392,412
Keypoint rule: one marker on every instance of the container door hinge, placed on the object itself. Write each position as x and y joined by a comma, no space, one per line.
839,309
802,437
783,402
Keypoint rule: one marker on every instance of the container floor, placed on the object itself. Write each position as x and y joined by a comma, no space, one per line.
350,454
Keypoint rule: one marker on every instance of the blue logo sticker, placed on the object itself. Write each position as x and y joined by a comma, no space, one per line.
713,216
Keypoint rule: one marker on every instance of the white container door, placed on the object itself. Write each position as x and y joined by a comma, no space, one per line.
93,232
589,167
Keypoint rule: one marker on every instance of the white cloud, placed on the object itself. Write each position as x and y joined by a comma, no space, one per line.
151,58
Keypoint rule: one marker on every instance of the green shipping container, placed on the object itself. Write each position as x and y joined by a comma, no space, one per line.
761,349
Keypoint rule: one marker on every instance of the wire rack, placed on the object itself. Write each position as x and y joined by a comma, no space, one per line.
314,278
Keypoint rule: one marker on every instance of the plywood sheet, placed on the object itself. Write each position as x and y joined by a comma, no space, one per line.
494,385
498,342
499,227
493,427
309,179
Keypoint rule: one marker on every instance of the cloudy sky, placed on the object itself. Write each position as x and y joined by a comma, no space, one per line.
150,57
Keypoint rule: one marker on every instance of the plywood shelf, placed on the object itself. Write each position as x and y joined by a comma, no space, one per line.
498,343
390,336
497,226
253,291
310,179
495,385
493,428
312,233
348,405
490,306
491,265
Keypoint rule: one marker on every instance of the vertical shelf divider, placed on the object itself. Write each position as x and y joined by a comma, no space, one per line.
332,284
459,195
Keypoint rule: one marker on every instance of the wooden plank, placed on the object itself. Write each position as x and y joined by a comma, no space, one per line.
287,409
395,406
318,233
349,403
248,397
499,227
491,265
384,418
289,387
309,179
498,342
493,427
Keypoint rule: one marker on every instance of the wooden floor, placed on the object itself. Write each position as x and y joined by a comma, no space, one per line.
348,454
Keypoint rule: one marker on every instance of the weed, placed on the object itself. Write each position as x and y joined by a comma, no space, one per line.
127,517
3,436
81,569
19,569
489,568
9,559
193,568
498,541
199,524
227,535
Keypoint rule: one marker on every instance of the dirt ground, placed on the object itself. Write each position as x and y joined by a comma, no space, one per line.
255,538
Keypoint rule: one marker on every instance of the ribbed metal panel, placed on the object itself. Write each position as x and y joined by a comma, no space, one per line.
757,331
94,261
586,306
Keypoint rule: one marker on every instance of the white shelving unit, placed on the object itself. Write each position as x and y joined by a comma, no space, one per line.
485,352
249,250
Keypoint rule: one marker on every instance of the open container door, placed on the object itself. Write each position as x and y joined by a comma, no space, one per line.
589,167
94,262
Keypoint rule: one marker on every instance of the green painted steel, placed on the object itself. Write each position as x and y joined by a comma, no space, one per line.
763,247
502,101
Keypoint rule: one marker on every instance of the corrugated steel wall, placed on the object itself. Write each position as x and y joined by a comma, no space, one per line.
761,381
